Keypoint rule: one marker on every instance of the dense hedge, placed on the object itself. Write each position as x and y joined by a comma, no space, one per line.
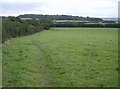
79,24
15,27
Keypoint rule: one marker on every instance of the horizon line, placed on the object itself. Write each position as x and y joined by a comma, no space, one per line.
60,14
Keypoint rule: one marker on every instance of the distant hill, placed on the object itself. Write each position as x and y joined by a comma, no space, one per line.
110,19
59,17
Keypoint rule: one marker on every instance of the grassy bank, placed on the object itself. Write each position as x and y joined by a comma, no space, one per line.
82,57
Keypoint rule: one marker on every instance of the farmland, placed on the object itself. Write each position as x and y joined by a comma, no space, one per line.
62,57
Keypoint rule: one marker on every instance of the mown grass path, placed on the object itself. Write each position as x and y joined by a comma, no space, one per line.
60,57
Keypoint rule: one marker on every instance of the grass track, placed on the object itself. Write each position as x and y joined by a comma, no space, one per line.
84,57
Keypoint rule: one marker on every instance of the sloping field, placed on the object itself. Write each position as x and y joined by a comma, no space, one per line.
63,57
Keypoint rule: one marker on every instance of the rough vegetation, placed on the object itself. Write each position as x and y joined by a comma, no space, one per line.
15,27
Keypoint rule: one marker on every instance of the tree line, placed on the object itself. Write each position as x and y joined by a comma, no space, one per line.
15,27
59,17
83,24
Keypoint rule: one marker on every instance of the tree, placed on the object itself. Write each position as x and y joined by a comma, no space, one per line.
46,23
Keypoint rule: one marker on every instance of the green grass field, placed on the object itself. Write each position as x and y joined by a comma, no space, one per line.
63,57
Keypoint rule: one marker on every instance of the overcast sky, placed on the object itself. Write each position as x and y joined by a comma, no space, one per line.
92,8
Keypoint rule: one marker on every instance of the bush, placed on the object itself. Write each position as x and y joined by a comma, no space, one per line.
16,27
